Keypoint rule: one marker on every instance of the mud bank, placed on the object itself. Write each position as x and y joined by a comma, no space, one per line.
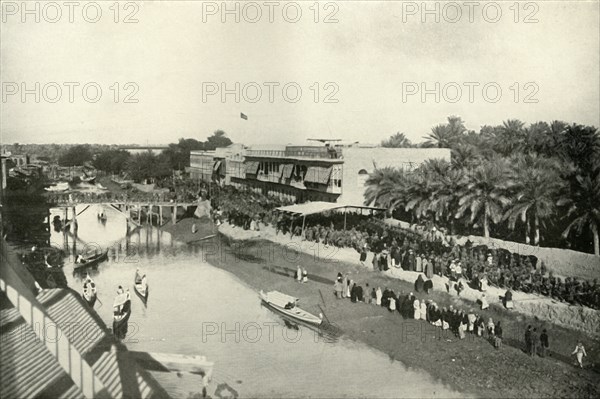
470,366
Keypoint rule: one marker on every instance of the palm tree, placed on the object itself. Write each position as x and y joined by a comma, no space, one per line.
384,187
583,205
465,156
445,202
398,140
484,194
510,137
536,183
445,135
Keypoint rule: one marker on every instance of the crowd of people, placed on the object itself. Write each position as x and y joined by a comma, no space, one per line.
431,254
458,322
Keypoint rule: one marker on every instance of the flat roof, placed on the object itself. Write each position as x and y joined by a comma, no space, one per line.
311,208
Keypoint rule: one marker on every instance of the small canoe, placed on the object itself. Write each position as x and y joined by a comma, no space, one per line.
89,292
91,260
141,289
288,305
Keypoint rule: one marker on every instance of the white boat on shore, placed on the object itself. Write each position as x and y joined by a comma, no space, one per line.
63,186
288,305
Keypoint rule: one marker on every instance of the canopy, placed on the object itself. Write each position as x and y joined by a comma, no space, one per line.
280,299
318,174
311,208
287,170
252,167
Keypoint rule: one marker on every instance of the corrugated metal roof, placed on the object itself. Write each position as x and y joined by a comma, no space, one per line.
96,343
27,368
85,332
65,308
310,208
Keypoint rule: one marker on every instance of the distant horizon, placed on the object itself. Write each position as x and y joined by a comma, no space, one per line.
297,142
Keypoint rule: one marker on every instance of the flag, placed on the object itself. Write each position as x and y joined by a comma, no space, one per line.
243,116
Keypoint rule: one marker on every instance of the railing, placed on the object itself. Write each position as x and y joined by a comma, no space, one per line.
298,152
266,153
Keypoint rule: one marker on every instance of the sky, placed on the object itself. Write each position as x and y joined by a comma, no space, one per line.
359,77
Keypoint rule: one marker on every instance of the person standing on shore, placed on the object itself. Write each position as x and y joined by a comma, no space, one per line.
378,296
344,286
337,287
580,352
535,340
544,343
528,340
498,337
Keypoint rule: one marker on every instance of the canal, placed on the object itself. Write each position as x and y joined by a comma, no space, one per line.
196,308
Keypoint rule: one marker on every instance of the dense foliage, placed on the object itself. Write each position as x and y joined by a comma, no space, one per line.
539,184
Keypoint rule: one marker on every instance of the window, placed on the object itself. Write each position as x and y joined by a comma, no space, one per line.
363,175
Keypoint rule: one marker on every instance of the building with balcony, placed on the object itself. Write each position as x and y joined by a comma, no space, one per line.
305,173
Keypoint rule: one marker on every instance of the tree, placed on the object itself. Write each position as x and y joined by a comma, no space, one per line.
536,184
112,161
446,135
75,156
580,145
583,206
397,140
178,155
510,137
217,140
384,187
147,165
484,194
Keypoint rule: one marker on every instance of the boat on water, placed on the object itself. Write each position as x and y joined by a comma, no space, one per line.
121,313
140,286
90,180
86,261
51,282
62,186
288,306
89,293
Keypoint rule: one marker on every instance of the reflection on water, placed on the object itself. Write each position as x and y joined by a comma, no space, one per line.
195,308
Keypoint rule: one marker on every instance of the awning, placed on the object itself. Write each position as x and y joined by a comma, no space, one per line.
251,167
317,174
287,170
310,208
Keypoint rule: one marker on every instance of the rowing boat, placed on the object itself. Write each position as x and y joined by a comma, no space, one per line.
141,289
91,260
121,313
288,305
89,292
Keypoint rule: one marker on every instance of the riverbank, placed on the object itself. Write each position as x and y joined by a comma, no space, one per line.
542,308
470,366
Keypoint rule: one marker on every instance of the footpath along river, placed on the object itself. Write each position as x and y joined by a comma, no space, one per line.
196,308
